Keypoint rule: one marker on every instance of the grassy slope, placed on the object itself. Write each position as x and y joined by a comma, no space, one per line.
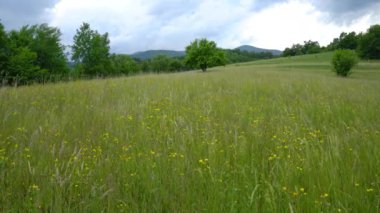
265,136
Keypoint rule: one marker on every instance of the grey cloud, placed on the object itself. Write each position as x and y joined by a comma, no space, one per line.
16,13
344,6
259,5
339,11
350,9
172,8
346,11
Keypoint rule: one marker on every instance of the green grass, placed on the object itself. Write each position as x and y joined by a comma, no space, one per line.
283,135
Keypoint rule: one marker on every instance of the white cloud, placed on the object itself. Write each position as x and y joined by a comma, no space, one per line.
123,20
136,25
294,21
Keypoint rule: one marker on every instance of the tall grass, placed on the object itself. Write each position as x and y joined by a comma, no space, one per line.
268,136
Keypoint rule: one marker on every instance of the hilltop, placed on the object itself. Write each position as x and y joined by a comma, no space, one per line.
149,54
249,48
144,55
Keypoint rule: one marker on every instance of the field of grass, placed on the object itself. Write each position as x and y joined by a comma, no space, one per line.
282,135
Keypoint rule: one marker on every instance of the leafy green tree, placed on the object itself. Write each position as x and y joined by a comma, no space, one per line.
40,43
22,67
4,51
160,63
203,54
343,61
22,64
369,43
91,50
175,65
333,45
348,41
123,64
311,47
45,41
236,56
145,66
296,49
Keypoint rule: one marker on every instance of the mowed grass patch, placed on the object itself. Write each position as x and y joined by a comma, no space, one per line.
268,136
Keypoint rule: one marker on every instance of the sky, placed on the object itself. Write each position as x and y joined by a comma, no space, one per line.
139,25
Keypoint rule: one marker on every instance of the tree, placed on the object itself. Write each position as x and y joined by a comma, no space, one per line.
345,41
4,51
175,65
50,52
22,67
296,49
203,54
311,47
348,41
369,43
333,45
343,61
160,63
145,66
123,64
91,50
40,47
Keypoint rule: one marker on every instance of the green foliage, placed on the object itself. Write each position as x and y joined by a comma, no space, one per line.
123,64
175,65
4,50
237,56
91,50
345,41
296,49
22,67
145,66
203,54
369,43
309,47
50,52
343,61
39,46
348,41
160,63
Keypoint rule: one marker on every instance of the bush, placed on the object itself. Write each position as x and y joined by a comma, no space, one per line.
343,61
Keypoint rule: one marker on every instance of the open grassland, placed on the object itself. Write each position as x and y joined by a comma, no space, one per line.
282,135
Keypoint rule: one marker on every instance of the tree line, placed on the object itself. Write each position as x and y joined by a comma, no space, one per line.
367,45
35,54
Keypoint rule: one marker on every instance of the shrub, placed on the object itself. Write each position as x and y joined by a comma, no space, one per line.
343,61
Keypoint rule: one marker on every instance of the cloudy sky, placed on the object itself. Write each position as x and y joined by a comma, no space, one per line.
137,25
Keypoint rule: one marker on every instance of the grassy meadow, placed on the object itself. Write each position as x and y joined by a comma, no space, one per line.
281,135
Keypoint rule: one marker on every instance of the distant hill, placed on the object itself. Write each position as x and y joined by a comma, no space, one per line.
149,54
249,48
152,53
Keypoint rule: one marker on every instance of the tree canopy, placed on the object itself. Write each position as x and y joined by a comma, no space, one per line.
91,51
369,43
202,53
31,54
309,47
123,64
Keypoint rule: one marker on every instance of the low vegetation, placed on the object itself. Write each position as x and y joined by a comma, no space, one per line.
343,61
267,136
